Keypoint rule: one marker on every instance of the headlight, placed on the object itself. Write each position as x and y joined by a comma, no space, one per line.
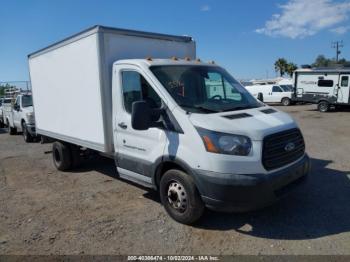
222,143
30,117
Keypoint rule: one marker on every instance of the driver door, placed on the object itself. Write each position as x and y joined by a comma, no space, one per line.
343,89
137,151
17,113
277,94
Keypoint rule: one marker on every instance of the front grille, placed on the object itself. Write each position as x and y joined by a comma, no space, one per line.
276,155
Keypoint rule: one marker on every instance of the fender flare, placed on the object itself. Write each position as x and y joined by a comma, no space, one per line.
168,159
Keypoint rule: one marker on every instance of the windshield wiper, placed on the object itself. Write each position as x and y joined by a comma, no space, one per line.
209,110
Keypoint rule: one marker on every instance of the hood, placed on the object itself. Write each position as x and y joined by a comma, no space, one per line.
28,109
255,123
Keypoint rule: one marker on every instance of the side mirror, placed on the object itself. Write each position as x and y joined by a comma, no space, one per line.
140,115
143,117
261,97
16,107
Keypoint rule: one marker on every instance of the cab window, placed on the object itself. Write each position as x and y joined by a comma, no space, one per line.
136,88
276,89
344,81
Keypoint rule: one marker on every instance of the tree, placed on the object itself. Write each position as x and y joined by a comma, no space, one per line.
322,61
281,66
291,67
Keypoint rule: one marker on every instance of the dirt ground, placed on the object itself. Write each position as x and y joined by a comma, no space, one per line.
89,211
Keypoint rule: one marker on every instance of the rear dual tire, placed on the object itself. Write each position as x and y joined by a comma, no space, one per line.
65,156
180,197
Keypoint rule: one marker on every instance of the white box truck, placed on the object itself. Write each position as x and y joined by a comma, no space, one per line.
178,125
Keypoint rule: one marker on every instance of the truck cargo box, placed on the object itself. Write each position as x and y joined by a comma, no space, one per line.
71,80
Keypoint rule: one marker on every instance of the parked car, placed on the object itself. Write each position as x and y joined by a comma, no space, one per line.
2,125
325,87
19,117
5,102
181,126
272,93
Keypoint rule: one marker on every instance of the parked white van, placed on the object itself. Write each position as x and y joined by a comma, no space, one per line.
181,126
272,93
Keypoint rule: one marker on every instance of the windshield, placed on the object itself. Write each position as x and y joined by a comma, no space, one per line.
287,88
204,89
27,101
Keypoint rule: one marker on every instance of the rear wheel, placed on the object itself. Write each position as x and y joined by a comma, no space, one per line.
286,101
323,106
75,154
26,135
61,156
11,130
180,197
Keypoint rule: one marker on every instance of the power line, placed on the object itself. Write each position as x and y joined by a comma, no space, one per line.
337,45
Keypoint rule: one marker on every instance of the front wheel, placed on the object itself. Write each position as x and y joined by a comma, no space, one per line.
286,101
323,106
180,197
26,135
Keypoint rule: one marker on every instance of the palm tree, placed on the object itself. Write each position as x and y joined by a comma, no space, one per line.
281,66
291,67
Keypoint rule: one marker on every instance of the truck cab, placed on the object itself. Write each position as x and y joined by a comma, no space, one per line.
195,118
20,117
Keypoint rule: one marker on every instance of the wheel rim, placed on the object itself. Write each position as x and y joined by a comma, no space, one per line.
323,107
177,196
285,102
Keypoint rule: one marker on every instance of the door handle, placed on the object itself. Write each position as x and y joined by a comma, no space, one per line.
122,125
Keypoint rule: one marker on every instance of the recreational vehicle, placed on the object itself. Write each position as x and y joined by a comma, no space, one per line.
325,87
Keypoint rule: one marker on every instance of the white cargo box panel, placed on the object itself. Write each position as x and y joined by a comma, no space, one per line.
71,80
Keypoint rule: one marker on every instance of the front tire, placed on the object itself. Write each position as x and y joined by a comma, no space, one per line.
323,106
180,197
61,156
26,135
286,101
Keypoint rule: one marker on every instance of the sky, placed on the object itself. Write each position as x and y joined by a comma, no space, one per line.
245,37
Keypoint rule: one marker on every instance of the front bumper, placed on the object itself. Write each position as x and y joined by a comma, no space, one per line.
240,193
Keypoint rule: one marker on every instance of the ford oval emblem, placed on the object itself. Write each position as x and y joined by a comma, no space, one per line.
289,147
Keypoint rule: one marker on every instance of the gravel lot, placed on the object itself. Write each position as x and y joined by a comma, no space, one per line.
89,211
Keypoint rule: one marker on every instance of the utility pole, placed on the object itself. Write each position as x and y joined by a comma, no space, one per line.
337,45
